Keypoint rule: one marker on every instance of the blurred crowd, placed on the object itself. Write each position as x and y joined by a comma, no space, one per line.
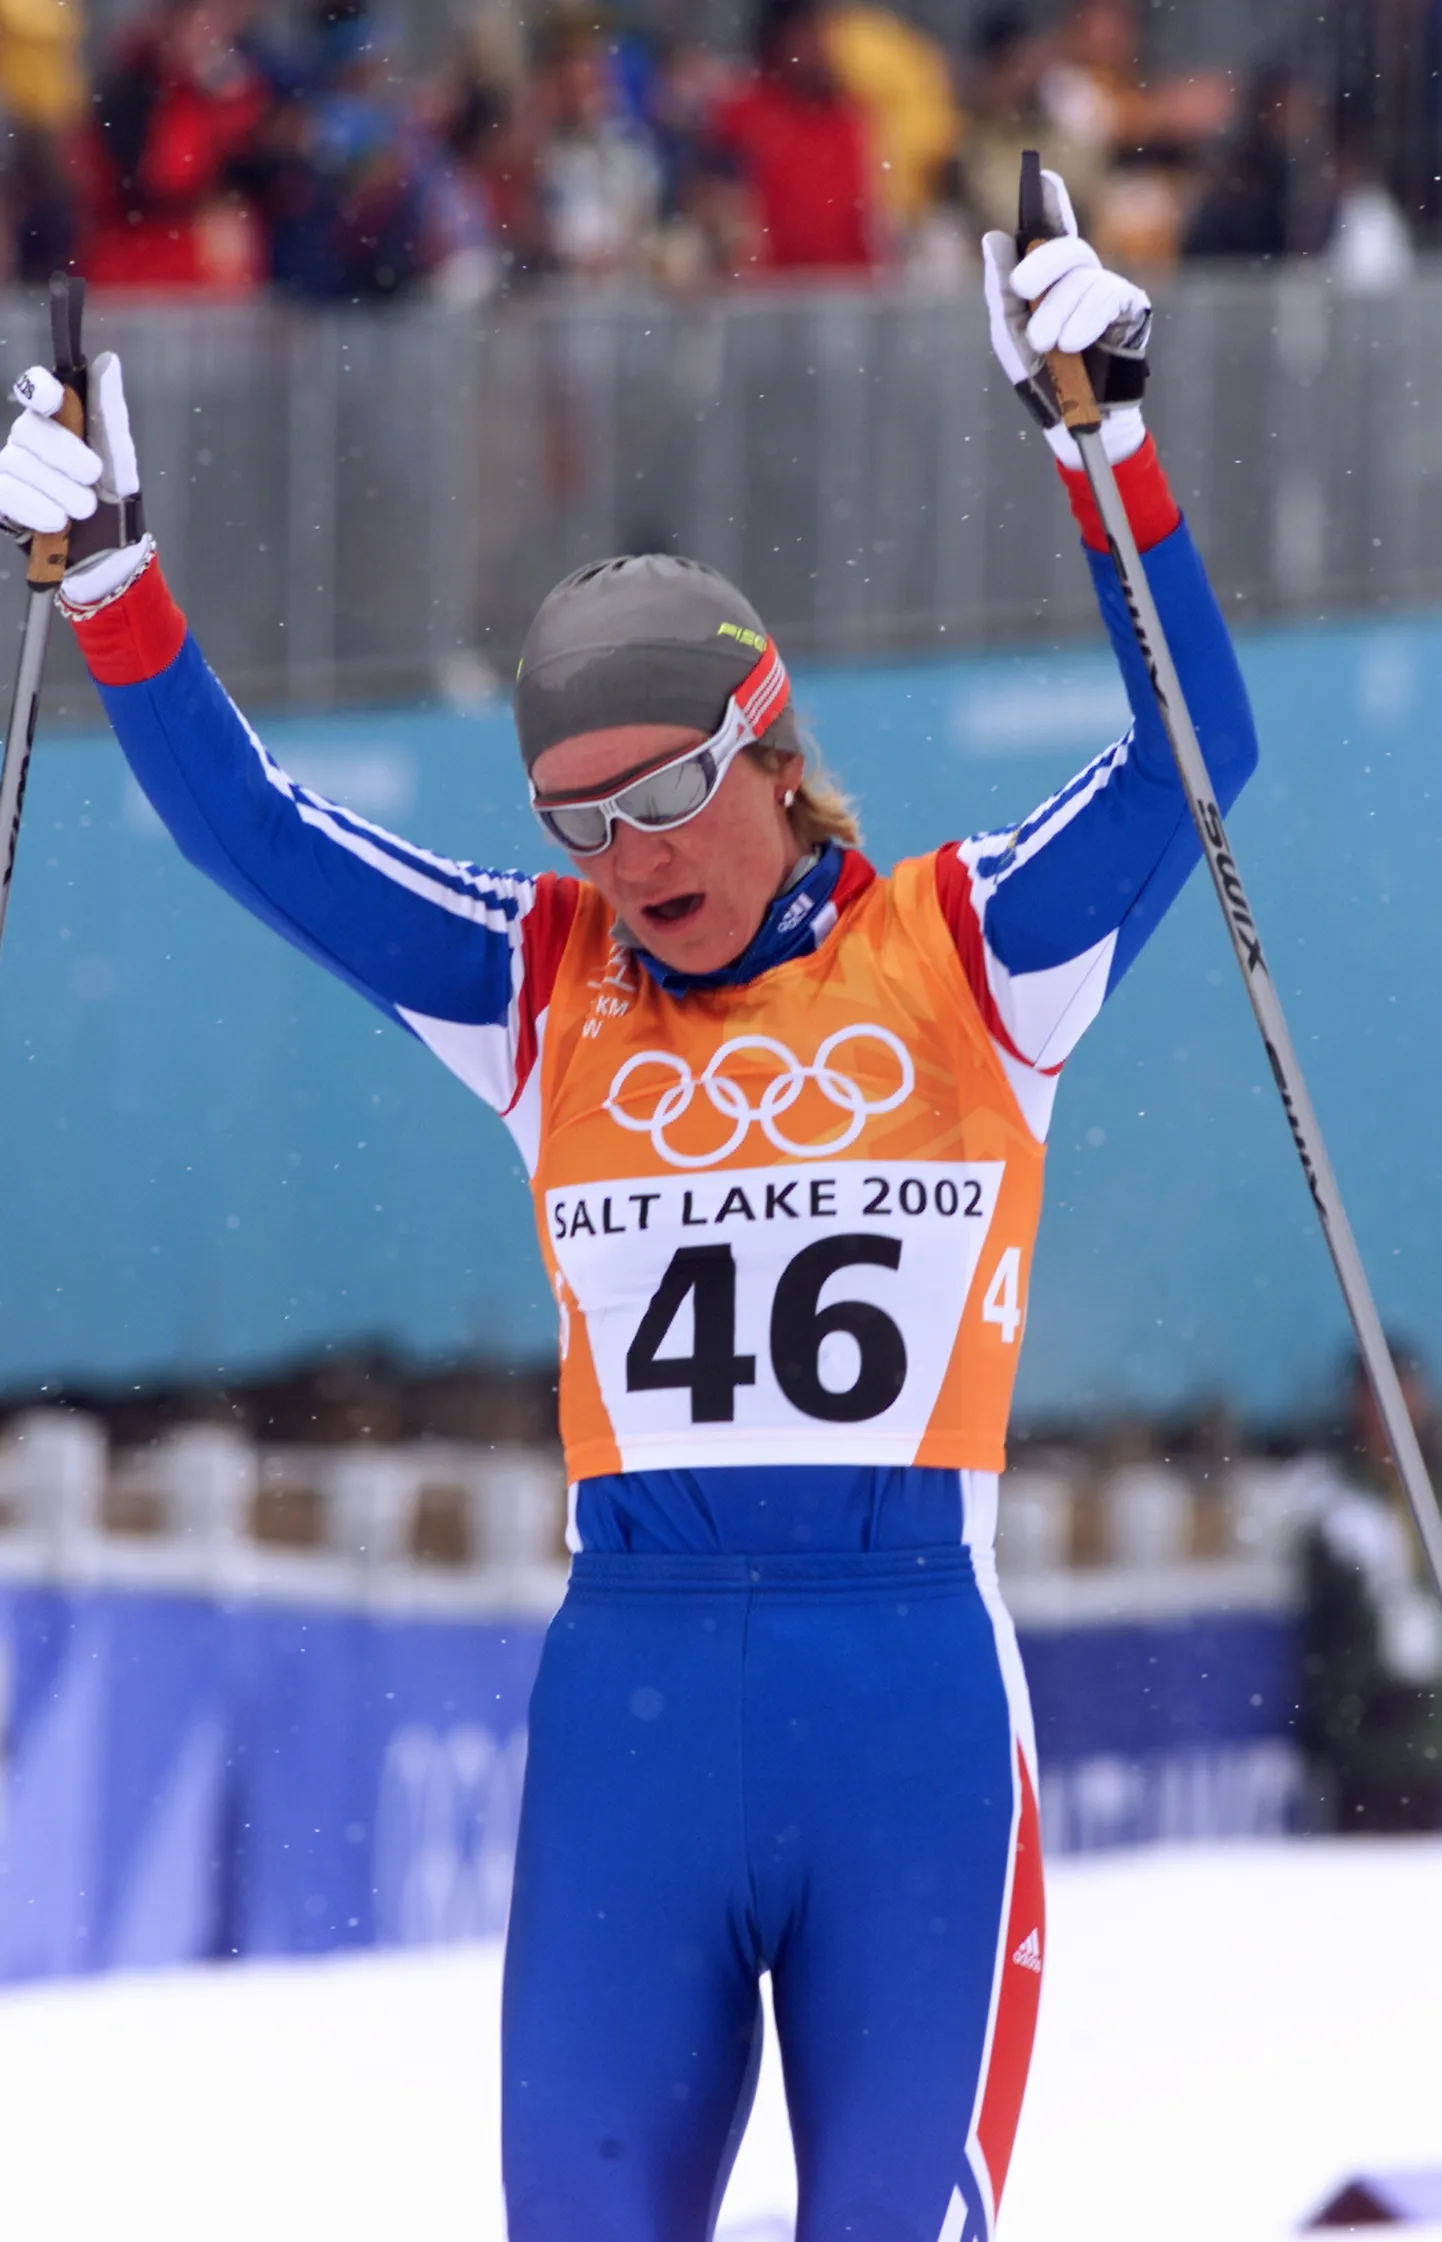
206,146
1370,1716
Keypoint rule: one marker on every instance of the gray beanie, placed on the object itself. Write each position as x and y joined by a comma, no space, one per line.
647,638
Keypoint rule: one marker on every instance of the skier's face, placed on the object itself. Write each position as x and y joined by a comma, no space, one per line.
695,895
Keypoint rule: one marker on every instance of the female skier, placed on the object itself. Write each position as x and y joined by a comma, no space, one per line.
785,1121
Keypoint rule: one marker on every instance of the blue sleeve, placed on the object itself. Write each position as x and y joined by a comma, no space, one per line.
1158,839
411,931
1066,899
461,957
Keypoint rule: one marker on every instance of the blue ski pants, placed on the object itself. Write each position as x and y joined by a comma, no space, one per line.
818,1766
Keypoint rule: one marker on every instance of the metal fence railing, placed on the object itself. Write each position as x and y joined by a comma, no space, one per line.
349,504
454,1526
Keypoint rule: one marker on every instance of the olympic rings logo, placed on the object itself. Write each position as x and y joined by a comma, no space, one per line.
729,1099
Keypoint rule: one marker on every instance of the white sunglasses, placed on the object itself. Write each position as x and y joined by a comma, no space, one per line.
658,797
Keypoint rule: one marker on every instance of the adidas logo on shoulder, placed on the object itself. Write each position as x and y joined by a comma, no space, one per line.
1028,1954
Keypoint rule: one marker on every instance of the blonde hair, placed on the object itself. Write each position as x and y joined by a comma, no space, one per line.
822,810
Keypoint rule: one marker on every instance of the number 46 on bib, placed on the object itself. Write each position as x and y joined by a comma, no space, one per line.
761,1315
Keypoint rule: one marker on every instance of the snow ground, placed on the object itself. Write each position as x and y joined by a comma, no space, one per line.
1226,2034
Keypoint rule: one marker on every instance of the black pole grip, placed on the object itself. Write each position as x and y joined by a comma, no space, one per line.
67,310
1031,219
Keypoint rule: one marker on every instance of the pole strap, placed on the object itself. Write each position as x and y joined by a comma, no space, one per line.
115,522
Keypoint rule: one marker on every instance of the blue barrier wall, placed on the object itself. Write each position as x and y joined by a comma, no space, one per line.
182,1780
215,1158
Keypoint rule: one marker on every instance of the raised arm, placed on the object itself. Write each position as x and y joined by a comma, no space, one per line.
462,957
1049,913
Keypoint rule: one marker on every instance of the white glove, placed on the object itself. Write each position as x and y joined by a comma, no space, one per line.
1059,297
49,478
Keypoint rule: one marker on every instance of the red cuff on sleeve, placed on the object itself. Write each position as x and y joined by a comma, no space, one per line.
1146,495
134,637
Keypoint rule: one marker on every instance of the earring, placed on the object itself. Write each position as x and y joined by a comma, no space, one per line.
788,798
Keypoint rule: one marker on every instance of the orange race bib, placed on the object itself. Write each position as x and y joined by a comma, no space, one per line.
790,1222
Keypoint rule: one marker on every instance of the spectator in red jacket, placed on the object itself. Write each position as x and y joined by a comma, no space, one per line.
177,111
796,146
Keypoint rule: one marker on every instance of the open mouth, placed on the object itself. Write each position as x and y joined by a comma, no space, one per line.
673,910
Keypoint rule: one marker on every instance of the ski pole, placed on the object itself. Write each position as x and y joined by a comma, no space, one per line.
47,561
1079,411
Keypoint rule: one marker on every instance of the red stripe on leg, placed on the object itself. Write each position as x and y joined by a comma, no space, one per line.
1020,1996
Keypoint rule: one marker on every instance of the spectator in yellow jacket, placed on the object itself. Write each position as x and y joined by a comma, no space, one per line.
42,83
42,97
902,81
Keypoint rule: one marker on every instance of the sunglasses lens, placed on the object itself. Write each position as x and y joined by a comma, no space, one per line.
583,827
677,792
663,798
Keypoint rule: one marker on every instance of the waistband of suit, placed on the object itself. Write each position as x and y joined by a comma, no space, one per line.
889,1572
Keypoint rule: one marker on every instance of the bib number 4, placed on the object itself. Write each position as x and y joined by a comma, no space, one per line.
800,1328
1002,1303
